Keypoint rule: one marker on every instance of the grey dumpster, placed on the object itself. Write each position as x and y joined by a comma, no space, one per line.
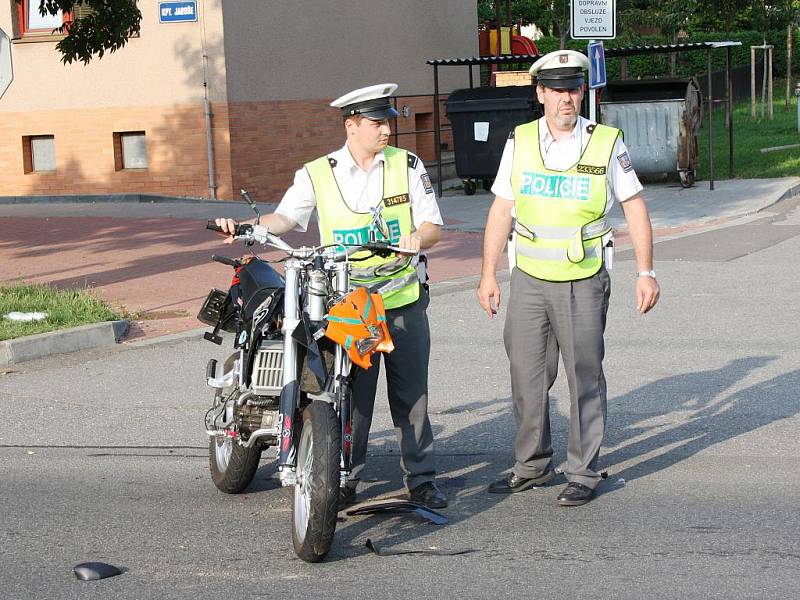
660,119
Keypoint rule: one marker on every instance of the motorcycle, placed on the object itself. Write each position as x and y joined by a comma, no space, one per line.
300,340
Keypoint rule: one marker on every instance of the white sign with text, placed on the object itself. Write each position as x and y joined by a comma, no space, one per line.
593,19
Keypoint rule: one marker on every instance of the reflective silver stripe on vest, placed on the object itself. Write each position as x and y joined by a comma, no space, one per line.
589,231
397,265
390,285
559,254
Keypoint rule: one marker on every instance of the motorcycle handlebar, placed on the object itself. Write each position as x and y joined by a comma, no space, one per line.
262,235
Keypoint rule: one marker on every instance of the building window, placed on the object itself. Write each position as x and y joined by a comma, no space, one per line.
38,153
130,150
31,22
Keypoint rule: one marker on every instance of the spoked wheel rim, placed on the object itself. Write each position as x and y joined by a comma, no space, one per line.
222,451
302,489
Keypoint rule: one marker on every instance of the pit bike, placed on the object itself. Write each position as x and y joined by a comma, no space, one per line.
300,340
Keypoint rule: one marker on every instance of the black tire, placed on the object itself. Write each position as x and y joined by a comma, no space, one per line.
232,466
687,179
487,183
315,496
469,187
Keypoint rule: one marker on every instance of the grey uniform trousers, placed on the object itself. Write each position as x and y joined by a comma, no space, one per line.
544,318
407,387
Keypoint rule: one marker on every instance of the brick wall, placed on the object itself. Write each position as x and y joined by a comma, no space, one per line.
258,146
85,152
270,140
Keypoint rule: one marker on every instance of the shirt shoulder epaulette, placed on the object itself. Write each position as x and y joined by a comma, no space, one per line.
413,160
332,162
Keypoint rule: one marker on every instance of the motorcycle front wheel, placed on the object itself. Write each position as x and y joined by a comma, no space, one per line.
316,493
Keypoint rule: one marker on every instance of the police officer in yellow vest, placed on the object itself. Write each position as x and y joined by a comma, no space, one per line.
368,185
559,176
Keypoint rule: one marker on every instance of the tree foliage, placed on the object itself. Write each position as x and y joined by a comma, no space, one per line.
105,27
668,17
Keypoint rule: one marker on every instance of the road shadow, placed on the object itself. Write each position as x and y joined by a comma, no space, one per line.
707,415
694,405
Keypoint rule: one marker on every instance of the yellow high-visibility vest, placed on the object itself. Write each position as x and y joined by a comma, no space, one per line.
394,278
560,214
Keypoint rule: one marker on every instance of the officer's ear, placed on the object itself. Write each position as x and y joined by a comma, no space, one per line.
351,123
540,93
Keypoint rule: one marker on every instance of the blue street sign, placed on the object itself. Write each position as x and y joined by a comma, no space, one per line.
177,12
597,65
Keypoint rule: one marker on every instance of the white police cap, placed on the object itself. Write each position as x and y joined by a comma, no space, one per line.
372,102
560,69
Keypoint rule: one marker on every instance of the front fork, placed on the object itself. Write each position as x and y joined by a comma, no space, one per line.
290,393
343,383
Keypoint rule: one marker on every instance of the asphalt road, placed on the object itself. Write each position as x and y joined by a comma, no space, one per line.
104,459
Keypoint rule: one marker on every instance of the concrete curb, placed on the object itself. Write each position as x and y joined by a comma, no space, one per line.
85,337
790,193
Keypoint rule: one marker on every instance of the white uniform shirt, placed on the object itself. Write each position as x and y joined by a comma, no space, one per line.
622,182
361,190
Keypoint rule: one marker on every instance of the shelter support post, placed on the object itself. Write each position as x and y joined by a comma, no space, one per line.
753,81
729,94
710,124
437,130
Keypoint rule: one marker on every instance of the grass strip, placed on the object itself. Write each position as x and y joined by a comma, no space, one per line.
64,308
749,136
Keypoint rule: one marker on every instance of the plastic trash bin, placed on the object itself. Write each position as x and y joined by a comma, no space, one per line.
660,119
481,120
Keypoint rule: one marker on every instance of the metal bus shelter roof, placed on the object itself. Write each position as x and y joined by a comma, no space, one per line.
622,52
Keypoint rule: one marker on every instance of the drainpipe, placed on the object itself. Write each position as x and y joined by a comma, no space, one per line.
212,184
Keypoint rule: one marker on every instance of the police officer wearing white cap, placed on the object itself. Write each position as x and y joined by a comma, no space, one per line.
369,185
559,176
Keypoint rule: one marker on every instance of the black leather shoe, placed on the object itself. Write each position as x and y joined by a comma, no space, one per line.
575,494
428,495
347,496
513,483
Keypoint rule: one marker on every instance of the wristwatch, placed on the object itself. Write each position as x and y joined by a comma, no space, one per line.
646,274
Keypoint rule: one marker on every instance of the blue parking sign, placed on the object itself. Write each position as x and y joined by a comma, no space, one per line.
597,65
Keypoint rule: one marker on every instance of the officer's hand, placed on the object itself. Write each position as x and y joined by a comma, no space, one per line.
647,293
489,296
228,228
410,242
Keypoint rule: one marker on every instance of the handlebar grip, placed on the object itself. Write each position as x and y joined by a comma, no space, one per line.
213,226
241,228
231,262
384,249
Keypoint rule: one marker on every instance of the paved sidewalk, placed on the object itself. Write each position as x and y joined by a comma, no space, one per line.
153,259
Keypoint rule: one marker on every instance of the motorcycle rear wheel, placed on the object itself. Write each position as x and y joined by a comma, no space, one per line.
232,466
316,493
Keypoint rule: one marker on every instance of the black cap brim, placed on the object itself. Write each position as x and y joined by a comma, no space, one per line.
376,110
380,114
561,83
